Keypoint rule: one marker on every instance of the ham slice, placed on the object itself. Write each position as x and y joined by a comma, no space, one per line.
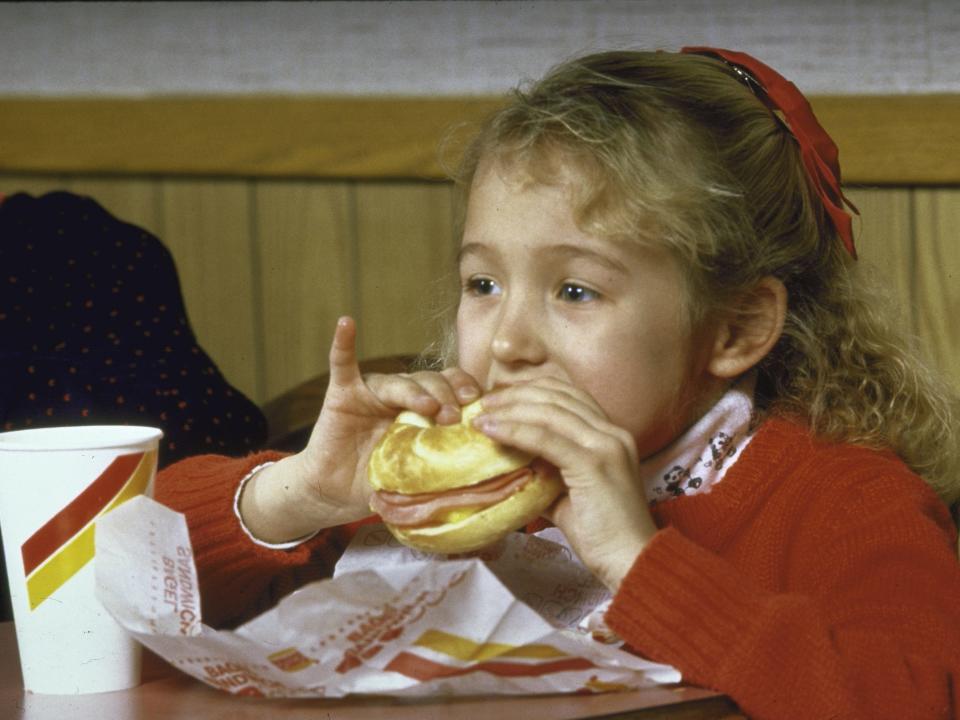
406,510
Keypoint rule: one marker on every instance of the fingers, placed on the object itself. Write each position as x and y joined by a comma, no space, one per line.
402,392
544,386
559,513
561,424
549,392
434,394
464,385
582,446
344,369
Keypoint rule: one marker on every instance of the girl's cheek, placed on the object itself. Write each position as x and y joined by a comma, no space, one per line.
469,357
470,346
465,350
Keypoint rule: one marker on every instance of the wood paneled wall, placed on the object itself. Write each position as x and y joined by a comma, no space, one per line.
268,265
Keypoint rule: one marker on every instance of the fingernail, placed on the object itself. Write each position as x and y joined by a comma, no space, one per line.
485,423
467,394
490,400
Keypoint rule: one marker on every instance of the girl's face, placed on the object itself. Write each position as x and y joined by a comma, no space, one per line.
541,298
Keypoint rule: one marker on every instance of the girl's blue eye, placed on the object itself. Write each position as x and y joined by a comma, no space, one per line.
482,286
571,292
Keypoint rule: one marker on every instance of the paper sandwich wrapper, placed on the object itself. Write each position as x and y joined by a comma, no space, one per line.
521,618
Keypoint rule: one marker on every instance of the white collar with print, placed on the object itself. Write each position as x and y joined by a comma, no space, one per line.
698,459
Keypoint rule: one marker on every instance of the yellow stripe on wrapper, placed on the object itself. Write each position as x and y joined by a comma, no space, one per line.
467,650
79,550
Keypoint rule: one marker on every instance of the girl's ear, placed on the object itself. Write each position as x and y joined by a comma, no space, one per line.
744,338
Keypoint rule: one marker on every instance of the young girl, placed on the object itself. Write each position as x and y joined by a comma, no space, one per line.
659,296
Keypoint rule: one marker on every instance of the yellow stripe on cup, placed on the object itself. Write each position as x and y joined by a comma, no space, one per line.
78,551
467,650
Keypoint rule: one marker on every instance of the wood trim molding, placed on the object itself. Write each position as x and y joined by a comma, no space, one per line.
895,139
883,140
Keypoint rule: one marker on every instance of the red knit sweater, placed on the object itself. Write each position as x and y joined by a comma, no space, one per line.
814,581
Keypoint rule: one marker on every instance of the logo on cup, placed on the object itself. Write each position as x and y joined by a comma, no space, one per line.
65,543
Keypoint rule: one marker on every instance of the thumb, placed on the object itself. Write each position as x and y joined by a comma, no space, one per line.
344,370
559,512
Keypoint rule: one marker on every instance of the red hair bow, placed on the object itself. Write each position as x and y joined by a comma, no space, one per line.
819,152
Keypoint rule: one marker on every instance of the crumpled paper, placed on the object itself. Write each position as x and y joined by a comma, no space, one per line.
523,617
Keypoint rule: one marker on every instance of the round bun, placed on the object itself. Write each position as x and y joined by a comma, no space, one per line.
417,456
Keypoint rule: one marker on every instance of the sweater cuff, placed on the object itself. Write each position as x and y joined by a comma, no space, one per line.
682,605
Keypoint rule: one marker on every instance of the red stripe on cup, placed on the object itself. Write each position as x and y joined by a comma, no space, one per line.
81,510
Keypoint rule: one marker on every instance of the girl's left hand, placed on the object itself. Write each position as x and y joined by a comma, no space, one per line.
605,515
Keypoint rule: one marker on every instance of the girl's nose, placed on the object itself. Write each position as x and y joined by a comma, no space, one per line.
518,337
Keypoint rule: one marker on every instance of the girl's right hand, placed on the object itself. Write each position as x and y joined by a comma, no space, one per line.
325,484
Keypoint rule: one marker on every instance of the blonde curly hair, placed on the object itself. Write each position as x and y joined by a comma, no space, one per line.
676,149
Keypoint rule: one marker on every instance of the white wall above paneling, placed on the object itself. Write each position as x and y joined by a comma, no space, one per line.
422,47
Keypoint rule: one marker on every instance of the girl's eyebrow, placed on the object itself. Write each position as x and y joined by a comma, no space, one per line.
574,252
563,251
471,248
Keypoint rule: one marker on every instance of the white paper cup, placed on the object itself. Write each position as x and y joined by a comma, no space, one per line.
54,484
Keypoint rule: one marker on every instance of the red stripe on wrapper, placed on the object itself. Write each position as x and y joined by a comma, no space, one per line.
420,668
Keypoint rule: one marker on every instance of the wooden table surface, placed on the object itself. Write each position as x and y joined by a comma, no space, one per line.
169,694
